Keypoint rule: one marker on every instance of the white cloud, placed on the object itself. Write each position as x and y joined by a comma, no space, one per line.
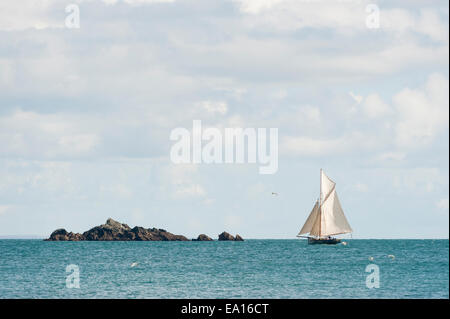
357,98
79,143
375,107
310,114
30,134
50,63
256,6
413,119
28,14
146,1
44,14
189,190
303,119
291,14
272,59
307,146
343,16
31,180
219,107
236,93
133,2
420,180
180,181
422,112
428,23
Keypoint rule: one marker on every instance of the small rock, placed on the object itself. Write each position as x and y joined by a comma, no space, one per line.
225,236
203,237
59,234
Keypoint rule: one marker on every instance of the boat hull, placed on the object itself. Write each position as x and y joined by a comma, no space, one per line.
323,241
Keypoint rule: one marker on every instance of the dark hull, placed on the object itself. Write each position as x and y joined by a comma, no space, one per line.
323,241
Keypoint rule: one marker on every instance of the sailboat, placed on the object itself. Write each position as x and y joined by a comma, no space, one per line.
327,218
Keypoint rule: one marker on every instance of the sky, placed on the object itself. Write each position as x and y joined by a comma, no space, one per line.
86,114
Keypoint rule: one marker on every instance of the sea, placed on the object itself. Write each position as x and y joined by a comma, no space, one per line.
250,269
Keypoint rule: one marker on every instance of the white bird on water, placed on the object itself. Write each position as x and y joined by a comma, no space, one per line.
134,264
391,256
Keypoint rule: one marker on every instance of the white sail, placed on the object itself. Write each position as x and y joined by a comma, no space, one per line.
328,218
326,185
315,230
310,221
333,221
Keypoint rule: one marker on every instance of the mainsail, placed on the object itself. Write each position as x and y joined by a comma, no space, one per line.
327,217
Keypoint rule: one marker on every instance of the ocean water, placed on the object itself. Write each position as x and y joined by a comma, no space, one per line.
249,269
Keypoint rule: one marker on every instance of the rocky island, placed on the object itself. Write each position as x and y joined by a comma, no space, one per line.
226,236
115,231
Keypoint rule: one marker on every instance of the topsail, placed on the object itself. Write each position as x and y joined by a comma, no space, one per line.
327,217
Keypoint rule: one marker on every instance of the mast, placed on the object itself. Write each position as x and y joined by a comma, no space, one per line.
320,205
320,193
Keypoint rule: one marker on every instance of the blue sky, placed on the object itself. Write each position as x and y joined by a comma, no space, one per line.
86,114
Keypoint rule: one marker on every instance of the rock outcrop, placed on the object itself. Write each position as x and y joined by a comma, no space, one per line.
203,237
62,235
162,234
227,237
114,231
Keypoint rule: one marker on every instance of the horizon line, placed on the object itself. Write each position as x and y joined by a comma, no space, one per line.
31,237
